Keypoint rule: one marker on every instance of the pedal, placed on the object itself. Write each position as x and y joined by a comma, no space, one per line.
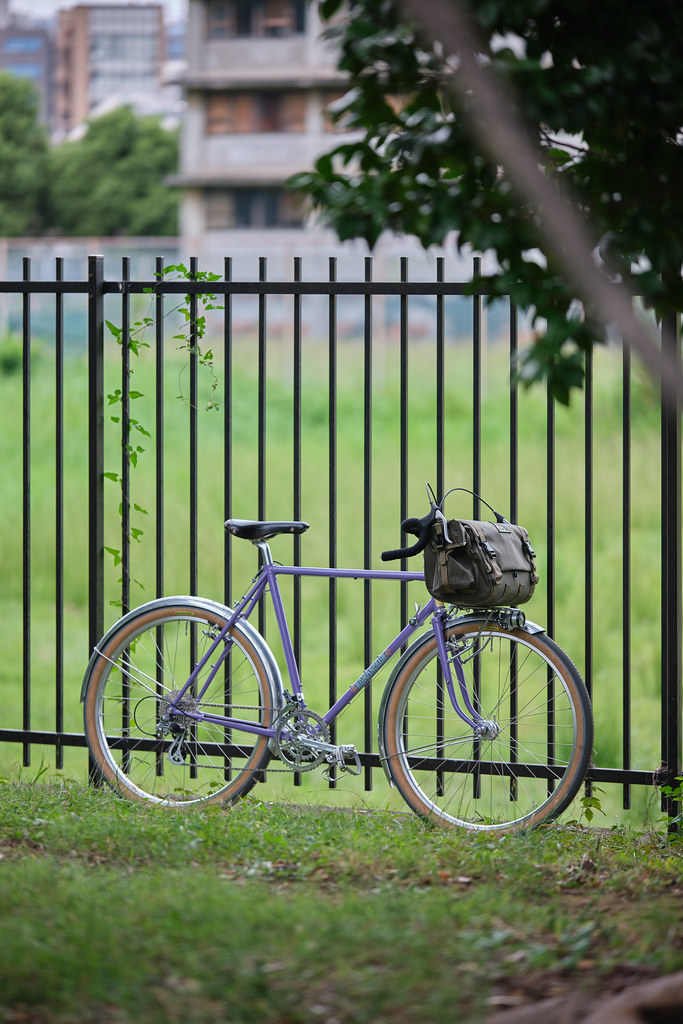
337,758
350,751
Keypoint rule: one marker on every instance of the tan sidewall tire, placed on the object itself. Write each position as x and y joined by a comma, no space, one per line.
573,774
260,755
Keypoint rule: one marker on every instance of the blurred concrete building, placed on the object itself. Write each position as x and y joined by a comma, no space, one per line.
257,83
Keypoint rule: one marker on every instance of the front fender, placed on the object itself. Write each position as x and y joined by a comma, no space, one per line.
242,627
528,627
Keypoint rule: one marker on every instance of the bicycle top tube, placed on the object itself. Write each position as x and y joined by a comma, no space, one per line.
353,574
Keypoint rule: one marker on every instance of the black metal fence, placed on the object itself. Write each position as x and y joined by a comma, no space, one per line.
334,401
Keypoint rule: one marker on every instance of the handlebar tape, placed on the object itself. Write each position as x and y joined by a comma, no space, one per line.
420,528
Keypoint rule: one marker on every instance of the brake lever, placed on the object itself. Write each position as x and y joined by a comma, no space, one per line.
439,515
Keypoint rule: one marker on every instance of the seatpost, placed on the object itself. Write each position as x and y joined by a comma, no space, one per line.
264,548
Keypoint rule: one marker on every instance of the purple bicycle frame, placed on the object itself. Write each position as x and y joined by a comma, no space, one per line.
266,580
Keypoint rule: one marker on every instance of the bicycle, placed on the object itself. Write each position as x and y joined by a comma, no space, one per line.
484,722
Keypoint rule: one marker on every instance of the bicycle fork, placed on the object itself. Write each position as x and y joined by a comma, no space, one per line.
453,655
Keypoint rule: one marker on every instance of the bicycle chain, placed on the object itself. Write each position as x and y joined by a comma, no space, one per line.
279,771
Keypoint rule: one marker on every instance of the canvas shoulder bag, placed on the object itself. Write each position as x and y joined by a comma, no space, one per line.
476,564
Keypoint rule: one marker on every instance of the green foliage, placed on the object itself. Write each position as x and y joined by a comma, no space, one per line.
591,804
601,90
11,357
195,324
674,797
23,159
111,181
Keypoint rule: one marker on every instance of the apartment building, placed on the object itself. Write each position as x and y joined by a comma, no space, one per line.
26,51
257,84
107,55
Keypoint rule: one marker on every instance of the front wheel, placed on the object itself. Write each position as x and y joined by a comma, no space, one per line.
529,766
140,666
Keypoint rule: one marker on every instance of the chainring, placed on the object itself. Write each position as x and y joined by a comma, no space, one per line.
294,729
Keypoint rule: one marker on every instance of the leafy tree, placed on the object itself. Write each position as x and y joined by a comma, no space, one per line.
599,88
23,158
111,181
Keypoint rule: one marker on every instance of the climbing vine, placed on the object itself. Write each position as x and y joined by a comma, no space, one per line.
190,339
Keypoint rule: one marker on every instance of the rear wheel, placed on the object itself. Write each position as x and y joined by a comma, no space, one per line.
530,762
138,671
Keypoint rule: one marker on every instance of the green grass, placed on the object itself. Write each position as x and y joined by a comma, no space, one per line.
605,672
287,914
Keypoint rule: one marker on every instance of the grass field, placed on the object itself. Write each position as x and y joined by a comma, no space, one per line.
282,914
605,672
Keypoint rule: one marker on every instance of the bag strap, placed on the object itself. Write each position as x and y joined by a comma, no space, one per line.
442,540
500,518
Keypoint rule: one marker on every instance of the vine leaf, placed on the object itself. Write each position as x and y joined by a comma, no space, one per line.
115,553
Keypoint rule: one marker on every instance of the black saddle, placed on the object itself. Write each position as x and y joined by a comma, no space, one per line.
257,529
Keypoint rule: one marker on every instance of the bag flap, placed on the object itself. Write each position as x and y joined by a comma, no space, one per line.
510,542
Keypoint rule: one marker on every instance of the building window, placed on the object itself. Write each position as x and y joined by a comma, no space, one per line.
226,19
22,44
136,19
239,112
124,48
103,85
291,210
224,113
278,18
220,210
251,208
220,19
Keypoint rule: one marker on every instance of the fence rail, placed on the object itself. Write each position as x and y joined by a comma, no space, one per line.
437,329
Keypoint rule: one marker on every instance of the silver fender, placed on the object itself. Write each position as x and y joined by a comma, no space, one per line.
242,627
528,627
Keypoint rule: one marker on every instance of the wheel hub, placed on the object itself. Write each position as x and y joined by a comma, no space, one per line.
177,711
488,730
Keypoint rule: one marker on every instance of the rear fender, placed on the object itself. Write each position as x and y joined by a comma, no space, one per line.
241,627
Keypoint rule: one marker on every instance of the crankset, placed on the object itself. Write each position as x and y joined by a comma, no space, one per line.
302,741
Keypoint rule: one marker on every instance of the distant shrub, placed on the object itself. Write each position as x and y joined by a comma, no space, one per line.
10,357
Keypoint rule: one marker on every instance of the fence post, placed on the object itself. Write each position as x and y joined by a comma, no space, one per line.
26,510
95,449
672,705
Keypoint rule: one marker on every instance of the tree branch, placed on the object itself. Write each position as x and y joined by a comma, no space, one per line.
501,133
